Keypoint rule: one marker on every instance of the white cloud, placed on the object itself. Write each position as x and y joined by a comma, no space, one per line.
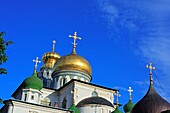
147,28
120,88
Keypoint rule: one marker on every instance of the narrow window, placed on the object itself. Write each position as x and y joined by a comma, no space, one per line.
32,97
25,97
64,81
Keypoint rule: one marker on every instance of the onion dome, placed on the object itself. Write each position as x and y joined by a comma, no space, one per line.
152,102
117,110
94,100
74,108
50,58
33,82
128,107
73,61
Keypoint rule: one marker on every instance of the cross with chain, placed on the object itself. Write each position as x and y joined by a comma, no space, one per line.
151,68
36,63
117,97
54,42
130,92
75,37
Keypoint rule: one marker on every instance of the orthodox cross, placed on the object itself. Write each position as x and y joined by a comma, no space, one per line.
36,63
117,97
74,92
75,37
130,92
151,68
54,42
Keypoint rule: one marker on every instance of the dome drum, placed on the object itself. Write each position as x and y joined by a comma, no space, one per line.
72,74
63,76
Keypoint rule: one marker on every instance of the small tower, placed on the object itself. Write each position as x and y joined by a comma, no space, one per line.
32,86
128,107
49,60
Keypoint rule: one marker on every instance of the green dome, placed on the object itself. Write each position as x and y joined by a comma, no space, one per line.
128,107
33,82
116,110
74,108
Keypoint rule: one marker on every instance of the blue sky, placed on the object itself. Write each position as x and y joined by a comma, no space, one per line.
118,39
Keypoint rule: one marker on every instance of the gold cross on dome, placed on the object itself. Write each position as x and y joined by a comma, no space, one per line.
54,42
150,67
130,92
75,37
36,63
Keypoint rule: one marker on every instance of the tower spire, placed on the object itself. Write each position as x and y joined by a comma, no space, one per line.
75,37
151,68
36,64
54,42
130,92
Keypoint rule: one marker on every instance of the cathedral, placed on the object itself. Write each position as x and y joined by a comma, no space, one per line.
63,85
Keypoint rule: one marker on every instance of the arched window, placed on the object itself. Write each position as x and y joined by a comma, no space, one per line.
25,97
47,74
102,111
94,94
64,81
64,103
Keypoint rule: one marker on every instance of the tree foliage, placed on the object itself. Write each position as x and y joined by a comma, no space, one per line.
1,101
3,56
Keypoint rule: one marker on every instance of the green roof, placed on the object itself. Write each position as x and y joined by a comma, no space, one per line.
117,110
128,107
33,82
74,109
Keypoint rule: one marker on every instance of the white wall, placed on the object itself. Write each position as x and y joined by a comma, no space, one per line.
96,109
20,107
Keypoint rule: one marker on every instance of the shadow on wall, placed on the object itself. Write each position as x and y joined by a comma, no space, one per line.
168,111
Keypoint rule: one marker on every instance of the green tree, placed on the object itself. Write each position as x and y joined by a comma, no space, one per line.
3,56
1,101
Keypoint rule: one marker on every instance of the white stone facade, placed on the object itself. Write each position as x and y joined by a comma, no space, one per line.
15,106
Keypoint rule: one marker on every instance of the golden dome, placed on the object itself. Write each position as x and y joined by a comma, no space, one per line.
73,62
50,58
